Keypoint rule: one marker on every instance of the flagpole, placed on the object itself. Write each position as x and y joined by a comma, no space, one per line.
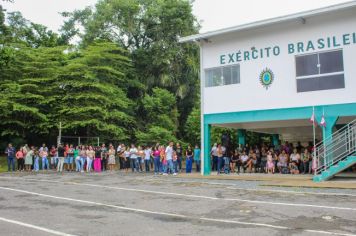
314,158
324,126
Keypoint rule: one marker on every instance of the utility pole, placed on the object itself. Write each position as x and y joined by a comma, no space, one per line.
60,134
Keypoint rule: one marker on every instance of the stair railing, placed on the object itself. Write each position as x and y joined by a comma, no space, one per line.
336,147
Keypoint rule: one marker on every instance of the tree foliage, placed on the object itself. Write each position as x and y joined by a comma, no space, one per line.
127,79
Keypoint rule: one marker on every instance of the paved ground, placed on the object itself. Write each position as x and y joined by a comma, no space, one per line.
138,204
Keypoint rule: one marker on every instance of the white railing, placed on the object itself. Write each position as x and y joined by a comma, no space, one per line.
336,148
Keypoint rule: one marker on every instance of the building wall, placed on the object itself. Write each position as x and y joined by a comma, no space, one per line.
249,94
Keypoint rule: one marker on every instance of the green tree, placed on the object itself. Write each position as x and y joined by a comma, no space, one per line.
192,127
161,115
149,30
91,98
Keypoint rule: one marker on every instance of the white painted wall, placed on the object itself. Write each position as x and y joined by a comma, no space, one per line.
250,95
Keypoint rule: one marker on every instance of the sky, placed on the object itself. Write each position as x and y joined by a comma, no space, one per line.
212,14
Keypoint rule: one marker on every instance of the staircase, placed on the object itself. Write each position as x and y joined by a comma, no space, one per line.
336,153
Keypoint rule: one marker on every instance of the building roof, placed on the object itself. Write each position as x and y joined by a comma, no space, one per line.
262,23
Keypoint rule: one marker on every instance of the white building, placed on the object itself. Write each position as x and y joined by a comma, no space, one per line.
267,76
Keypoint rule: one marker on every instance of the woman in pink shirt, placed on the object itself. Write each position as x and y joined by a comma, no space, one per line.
20,160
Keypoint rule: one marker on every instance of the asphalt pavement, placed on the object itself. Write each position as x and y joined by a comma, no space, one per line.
142,204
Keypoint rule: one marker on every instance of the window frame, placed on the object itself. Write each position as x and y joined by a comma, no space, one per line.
319,75
238,79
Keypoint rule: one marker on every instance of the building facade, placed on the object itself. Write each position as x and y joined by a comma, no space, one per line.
269,76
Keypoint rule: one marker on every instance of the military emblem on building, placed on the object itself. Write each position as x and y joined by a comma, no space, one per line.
266,78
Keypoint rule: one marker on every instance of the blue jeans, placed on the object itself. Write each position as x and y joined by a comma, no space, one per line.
82,161
220,162
36,165
10,163
45,164
175,166
139,167
147,165
189,163
215,163
156,163
197,163
78,164
170,166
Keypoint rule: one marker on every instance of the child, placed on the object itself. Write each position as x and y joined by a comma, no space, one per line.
270,163
36,166
294,168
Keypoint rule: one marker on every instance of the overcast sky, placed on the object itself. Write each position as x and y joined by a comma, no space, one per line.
213,14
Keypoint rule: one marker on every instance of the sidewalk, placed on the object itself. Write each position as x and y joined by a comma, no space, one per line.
343,181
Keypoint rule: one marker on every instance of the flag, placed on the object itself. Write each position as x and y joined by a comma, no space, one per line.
312,118
323,122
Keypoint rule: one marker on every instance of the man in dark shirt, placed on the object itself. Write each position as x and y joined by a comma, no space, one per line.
10,151
103,154
60,158
179,152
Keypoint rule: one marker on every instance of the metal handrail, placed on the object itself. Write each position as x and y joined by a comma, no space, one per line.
336,147
336,133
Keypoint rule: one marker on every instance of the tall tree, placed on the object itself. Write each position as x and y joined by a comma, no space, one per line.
149,30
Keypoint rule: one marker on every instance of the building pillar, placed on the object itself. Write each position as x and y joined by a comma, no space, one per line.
275,140
241,137
327,135
207,148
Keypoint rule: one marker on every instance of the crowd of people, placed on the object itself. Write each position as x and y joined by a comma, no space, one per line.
164,160
160,159
284,159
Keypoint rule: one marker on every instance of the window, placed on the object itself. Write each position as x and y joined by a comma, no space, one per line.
222,76
320,71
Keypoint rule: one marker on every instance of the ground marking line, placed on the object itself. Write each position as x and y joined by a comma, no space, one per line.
35,227
214,183
171,214
293,192
232,186
199,196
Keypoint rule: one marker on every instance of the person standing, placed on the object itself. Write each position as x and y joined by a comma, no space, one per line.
70,158
60,164
179,152
90,156
111,161
156,160
133,158
104,156
220,155
140,158
126,159
36,164
20,160
188,159
169,158
28,159
214,154
10,152
76,154
98,159
148,153
197,157
119,151
54,157
44,155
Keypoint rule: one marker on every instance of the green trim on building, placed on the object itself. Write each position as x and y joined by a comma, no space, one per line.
207,159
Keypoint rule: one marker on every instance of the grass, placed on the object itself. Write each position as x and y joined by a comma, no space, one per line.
3,164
